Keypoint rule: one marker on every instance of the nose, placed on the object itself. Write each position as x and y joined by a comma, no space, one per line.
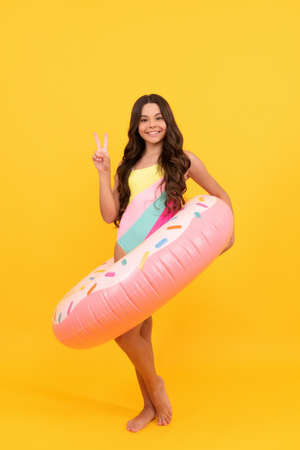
152,123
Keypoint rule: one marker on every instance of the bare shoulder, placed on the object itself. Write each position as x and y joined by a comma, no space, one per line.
192,157
187,153
199,173
196,163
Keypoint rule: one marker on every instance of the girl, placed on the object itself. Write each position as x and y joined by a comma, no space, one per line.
148,188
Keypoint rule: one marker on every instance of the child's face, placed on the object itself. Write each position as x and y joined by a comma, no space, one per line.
151,120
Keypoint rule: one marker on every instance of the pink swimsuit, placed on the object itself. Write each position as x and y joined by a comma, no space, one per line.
146,211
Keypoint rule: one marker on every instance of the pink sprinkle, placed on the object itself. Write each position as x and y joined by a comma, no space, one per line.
202,204
110,274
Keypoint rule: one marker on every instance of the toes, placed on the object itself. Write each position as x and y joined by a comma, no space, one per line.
162,420
132,428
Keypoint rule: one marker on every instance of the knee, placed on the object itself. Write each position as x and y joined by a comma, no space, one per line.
146,328
121,341
128,336
118,340
126,342
147,323
121,338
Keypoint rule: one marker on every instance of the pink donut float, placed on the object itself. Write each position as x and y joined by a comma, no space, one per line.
116,296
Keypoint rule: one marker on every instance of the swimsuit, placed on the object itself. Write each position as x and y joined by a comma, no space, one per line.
146,211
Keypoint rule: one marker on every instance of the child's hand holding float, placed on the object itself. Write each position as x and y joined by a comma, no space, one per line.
230,244
101,157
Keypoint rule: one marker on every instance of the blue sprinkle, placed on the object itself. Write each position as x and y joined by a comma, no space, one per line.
161,242
59,317
197,214
92,278
124,262
173,218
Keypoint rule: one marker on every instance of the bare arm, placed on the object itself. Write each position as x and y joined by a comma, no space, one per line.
199,173
110,205
106,199
115,194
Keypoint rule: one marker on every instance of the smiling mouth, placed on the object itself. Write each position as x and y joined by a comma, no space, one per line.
154,132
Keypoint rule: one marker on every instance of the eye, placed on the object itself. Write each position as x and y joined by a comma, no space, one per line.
158,118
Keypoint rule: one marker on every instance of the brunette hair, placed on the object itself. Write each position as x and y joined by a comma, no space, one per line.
172,160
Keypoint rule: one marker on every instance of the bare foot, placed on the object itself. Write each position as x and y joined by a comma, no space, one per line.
140,421
161,402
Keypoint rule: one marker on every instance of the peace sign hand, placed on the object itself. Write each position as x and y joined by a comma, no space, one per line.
101,157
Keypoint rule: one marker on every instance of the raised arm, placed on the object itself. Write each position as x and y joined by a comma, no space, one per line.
101,160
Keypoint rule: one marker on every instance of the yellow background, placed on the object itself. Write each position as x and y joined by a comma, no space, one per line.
228,344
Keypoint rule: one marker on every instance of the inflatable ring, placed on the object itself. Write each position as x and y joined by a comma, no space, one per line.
117,296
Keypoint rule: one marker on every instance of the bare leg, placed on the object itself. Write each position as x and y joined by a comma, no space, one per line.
145,331
140,353
138,347
148,413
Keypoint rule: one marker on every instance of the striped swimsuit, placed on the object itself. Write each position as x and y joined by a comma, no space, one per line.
146,211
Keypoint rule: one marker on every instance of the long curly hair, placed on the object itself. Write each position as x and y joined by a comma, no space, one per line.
172,161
